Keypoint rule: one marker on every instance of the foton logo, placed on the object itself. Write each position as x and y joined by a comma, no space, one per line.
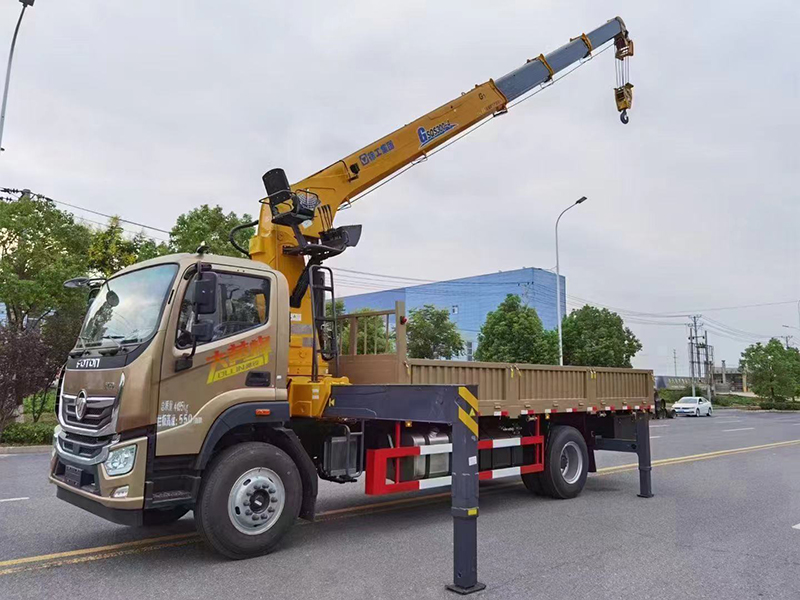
88,363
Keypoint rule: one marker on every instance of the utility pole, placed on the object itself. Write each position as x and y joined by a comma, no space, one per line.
25,4
694,350
675,360
709,363
787,338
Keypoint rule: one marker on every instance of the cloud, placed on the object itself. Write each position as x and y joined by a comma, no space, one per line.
149,109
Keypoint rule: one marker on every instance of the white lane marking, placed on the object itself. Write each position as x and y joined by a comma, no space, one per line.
13,499
740,429
796,526
656,426
654,437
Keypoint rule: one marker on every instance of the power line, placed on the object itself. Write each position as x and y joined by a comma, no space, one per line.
89,210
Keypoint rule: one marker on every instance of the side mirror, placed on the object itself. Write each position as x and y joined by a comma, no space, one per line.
205,294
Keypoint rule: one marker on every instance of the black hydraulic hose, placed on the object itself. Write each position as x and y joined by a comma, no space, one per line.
235,230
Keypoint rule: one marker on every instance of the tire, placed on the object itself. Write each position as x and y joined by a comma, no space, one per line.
533,482
566,464
709,412
246,481
155,517
696,412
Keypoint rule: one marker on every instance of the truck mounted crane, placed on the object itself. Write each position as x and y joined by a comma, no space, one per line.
213,383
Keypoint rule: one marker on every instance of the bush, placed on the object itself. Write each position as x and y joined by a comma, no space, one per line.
27,434
734,400
779,405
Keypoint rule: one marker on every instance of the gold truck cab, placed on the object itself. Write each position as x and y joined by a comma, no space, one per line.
174,354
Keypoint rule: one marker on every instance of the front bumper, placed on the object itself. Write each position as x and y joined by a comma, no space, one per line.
95,487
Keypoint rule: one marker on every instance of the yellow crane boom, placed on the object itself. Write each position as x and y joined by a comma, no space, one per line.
296,231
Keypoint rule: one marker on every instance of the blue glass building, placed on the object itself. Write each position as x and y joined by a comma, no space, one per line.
470,299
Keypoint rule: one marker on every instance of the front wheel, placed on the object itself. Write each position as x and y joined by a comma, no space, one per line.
249,499
566,463
696,412
709,411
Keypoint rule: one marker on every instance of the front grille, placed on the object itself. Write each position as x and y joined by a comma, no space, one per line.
99,411
83,446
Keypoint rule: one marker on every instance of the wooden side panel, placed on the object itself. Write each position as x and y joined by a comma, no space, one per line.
494,380
512,389
547,387
623,386
370,368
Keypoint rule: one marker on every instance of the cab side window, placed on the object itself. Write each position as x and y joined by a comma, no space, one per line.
242,304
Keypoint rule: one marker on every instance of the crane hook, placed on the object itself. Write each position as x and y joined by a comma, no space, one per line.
623,116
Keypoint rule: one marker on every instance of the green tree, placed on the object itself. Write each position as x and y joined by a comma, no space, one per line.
431,334
514,333
111,251
23,369
597,337
59,331
210,226
147,248
371,337
40,248
773,371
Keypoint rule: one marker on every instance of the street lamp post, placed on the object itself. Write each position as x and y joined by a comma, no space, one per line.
558,283
25,4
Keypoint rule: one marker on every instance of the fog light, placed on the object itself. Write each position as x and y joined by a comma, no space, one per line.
120,492
120,461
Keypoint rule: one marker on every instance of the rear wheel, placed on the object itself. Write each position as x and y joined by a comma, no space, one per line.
566,463
249,499
533,482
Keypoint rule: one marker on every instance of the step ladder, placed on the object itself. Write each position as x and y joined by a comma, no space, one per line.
325,340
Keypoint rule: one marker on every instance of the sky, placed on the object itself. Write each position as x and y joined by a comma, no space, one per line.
148,109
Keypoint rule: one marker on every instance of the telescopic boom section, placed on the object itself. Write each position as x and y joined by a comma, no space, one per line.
354,174
296,221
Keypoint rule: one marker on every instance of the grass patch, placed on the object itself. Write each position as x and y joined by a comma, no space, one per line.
47,411
27,434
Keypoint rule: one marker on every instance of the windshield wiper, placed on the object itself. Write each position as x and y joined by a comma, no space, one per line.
76,352
111,350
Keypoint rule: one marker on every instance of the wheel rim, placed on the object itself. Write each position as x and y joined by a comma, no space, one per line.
571,462
256,501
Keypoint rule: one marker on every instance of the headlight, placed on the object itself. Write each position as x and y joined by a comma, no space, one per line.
120,461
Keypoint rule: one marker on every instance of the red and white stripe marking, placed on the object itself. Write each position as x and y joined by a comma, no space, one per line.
501,413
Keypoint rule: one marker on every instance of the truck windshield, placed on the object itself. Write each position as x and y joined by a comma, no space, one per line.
127,308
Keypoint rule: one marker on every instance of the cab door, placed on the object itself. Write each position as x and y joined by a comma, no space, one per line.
235,364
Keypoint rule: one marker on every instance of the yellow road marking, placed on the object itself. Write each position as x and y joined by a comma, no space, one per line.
97,556
44,561
695,457
471,423
469,397
112,547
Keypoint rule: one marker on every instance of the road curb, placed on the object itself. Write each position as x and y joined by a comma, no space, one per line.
25,449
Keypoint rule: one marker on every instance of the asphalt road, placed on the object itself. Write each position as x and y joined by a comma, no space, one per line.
721,525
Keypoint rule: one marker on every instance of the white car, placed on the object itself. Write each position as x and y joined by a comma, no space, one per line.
693,405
